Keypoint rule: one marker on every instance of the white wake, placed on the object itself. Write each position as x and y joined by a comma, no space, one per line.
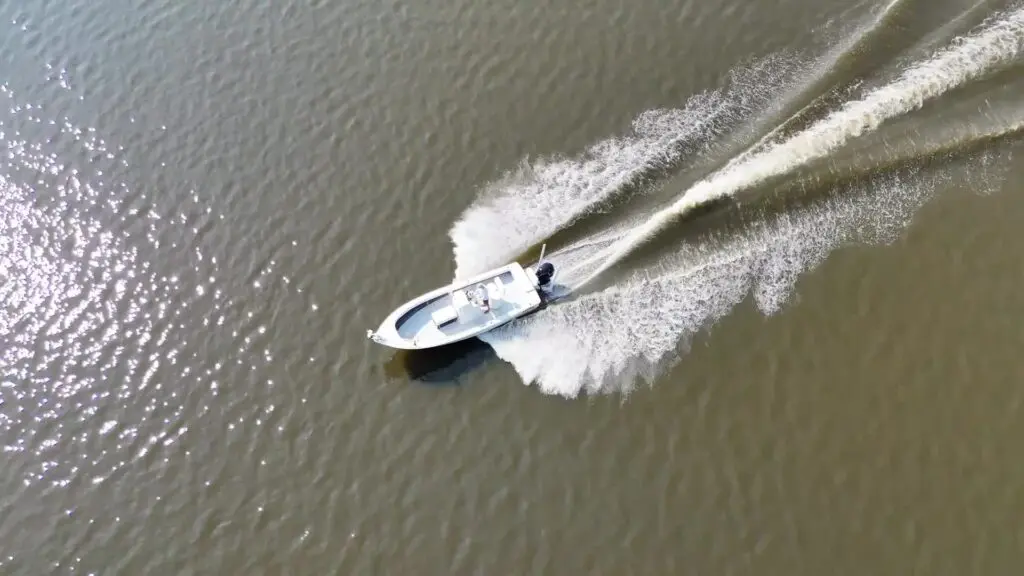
997,43
543,197
626,335
612,339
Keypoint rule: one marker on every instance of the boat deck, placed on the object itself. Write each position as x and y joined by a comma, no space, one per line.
453,316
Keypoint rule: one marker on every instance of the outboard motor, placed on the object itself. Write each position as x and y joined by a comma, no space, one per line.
544,273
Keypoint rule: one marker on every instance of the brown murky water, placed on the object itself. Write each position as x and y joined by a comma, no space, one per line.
205,205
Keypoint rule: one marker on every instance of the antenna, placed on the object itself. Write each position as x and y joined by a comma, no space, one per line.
542,248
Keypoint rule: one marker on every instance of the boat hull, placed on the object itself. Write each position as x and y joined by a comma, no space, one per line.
461,310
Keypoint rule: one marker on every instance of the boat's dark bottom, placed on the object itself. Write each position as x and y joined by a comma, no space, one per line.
444,365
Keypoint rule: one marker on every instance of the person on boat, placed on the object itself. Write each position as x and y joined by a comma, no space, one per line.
485,302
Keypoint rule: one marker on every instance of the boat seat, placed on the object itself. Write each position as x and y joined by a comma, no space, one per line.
496,290
444,316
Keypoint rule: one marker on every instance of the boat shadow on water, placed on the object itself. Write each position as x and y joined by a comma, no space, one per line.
443,366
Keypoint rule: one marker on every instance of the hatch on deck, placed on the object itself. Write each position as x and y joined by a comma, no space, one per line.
444,316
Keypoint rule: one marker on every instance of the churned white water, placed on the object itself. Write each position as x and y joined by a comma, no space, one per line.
547,195
969,57
612,339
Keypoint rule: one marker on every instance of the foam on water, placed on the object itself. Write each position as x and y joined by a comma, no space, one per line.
540,198
998,42
545,196
612,340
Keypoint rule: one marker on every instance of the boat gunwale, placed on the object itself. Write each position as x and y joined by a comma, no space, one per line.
402,314
389,331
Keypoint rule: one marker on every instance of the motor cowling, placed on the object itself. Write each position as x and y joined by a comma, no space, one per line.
544,273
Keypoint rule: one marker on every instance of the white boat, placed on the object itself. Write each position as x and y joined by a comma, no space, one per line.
467,308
